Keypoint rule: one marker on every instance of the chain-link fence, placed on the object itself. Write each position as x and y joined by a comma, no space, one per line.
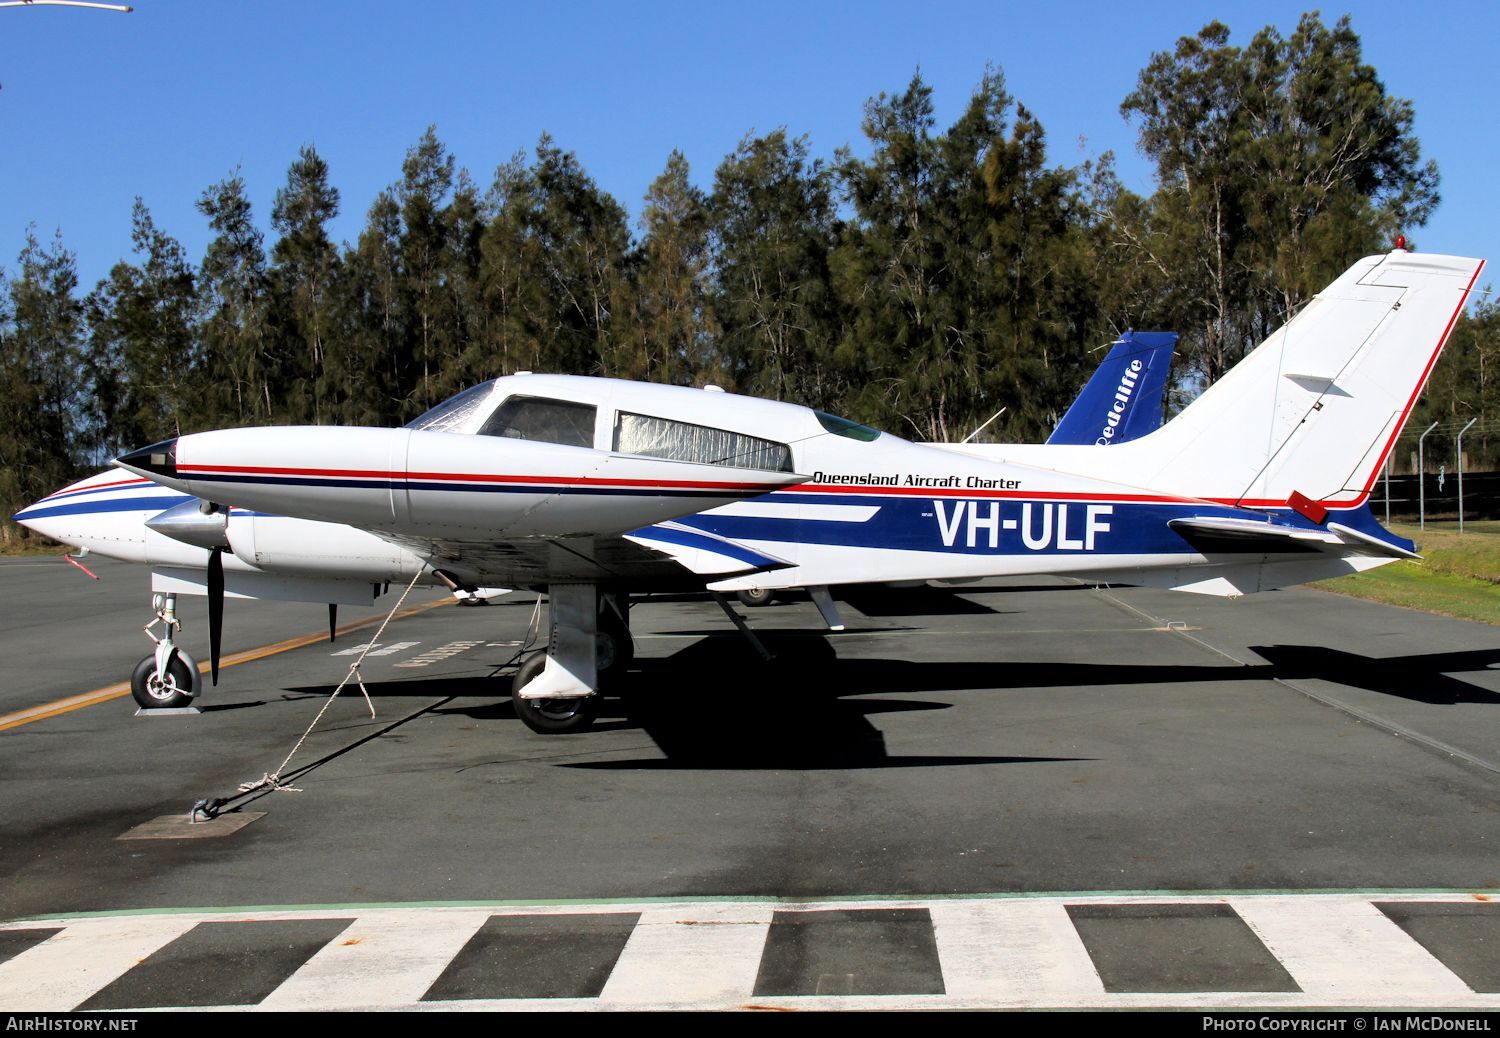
1422,475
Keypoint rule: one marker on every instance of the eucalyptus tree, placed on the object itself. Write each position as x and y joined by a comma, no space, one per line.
366,372
1277,165
512,304
41,330
426,244
949,268
246,368
142,362
666,334
305,265
554,263
774,224
1043,311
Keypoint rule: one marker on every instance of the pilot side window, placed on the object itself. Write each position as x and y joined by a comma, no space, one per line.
682,441
546,421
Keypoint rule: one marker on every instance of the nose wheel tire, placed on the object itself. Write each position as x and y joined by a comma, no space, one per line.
173,689
550,716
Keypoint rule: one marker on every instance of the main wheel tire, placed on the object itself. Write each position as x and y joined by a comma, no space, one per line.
615,647
173,690
761,596
550,716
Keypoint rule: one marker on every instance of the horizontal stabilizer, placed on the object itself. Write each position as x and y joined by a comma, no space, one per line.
1372,545
1215,535
701,552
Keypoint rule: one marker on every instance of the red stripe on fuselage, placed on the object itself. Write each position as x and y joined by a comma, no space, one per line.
968,492
1049,495
472,477
74,491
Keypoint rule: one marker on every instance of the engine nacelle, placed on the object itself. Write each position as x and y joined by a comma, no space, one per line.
331,550
442,485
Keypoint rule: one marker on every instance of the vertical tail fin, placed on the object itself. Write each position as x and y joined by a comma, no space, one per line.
1122,400
1315,409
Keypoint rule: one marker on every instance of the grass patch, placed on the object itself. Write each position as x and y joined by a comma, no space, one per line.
31,546
1458,576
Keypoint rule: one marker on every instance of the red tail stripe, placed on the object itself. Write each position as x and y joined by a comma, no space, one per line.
1421,384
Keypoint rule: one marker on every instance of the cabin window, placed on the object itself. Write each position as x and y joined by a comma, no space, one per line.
564,422
454,413
702,444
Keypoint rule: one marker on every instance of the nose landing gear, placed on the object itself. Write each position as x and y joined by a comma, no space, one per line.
169,677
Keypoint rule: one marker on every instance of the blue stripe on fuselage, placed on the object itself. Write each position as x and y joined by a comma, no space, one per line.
475,488
117,504
989,526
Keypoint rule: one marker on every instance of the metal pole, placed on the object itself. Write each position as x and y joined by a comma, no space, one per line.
1422,481
1461,473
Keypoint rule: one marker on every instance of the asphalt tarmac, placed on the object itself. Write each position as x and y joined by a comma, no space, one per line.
1010,738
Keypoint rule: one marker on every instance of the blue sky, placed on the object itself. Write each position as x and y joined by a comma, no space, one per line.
96,108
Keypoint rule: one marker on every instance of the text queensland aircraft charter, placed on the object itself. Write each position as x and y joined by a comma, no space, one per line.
280,557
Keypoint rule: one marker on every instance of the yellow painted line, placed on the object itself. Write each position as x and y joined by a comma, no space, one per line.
104,695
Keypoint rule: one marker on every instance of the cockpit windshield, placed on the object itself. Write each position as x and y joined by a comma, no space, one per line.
844,427
454,412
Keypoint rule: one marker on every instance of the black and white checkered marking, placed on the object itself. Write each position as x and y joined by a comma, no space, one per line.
1236,951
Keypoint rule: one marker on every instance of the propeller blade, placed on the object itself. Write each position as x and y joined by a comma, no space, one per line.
333,619
215,610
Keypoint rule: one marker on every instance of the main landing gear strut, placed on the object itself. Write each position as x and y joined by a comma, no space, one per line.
168,677
557,691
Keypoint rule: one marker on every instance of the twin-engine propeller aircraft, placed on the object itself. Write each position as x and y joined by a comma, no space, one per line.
194,548
593,488
1263,482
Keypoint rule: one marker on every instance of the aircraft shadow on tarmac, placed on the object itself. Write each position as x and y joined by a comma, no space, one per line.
914,601
486,685
1424,678
716,705
808,666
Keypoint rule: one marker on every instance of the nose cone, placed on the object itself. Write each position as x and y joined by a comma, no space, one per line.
35,517
159,459
103,513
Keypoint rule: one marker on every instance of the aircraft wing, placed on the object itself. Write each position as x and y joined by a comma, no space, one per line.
659,556
530,562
